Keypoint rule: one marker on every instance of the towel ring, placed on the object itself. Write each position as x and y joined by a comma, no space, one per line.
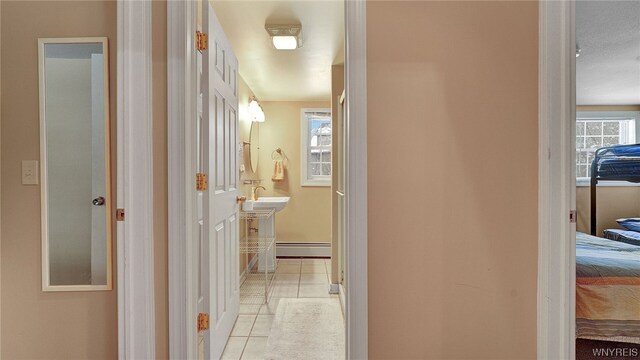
276,152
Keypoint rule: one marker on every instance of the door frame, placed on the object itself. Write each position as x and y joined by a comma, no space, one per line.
556,180
135,257
181,27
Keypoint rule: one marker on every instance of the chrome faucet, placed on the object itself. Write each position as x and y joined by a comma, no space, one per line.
254,192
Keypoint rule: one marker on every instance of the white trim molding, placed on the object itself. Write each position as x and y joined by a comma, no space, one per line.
556,195
136,298
181,28
357,306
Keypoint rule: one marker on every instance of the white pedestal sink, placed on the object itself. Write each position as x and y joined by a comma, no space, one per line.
267,202
266,227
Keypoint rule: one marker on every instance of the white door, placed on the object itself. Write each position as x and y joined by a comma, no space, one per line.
219,295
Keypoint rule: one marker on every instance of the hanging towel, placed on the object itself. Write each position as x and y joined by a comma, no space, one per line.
278,170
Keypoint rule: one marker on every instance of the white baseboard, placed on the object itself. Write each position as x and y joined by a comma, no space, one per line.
319,249
250,265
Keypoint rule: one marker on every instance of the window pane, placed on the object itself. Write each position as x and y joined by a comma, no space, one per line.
326,169
325,136
326,156
581,157
315,124
315,155
581,171
611,128
594,128
579,142
593,142
315,169
590,156
580,128
611,140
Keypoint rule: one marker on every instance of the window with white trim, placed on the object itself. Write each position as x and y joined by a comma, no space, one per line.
316,147
594,132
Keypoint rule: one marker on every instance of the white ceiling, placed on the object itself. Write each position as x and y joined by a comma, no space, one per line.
608,69
296,75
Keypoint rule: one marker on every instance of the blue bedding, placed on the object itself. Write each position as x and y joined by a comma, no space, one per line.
597,257
625,236
620,162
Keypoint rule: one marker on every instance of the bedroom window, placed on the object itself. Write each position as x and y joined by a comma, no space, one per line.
593,133
315,143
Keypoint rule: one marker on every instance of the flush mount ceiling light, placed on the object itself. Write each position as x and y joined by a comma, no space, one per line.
285,37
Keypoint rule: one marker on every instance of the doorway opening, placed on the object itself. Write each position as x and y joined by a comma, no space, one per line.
287,131
607,173
266,155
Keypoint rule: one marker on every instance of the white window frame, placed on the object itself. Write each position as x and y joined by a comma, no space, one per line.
304,150
632,136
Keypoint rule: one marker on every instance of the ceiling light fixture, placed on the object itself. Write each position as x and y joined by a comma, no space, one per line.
285,37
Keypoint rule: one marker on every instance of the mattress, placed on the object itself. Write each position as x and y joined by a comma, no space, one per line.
627,169
625,236
621,162
607,289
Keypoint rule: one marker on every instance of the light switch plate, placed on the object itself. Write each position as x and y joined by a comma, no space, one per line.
29,172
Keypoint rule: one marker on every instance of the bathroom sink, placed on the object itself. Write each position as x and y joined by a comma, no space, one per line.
267,202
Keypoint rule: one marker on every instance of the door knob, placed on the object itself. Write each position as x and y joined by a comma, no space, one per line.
241,199
99,201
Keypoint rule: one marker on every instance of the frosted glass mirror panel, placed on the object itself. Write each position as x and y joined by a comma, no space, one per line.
74,145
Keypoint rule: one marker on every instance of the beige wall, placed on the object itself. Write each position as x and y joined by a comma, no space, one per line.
614,202
38,325
452,151
160,214
307,217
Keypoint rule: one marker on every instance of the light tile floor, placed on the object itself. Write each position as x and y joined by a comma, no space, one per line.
294,278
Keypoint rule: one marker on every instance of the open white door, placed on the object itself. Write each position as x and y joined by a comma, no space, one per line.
218,248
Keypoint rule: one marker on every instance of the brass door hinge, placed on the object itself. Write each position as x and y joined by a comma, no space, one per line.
119,214
201,41
203,322
573,216
202,183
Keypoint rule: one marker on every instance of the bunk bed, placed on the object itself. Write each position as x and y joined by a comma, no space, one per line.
613,163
